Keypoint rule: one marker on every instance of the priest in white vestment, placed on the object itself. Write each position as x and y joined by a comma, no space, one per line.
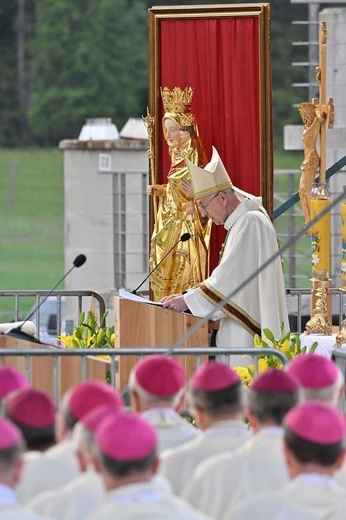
78,498
320,378
157,391
314,449
12,445
216,396
259,463
250,304
59,464
127,460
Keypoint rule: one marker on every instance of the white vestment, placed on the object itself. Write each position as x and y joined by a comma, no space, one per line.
172,429
340,475
76,500
306,497
178,464
224,479
145,501
10,509
47,470
261,303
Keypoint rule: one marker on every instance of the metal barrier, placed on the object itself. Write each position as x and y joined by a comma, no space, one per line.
60,297
299,310
298,301
140,352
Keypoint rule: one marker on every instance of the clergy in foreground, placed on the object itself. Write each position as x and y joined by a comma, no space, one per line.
11,379
252,292
12,445
217,398
320,377
157,391
33,411
127,460
59,464
222,480
84,494
314,449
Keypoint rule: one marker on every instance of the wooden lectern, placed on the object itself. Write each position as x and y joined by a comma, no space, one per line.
145,325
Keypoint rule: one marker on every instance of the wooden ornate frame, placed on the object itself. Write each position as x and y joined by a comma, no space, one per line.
253,128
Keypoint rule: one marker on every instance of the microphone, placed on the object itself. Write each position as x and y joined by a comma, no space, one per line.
17,331
183,238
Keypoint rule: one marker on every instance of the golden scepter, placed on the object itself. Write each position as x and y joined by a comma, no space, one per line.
149,123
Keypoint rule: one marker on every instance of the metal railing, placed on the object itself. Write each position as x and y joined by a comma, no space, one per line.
297,259
38,298
299,307
298,300
56,353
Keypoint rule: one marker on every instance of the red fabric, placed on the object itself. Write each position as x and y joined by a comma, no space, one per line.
219,58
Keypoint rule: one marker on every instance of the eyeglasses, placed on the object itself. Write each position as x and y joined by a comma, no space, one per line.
204,206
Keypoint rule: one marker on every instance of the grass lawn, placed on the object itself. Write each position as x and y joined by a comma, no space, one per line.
288,159
31,219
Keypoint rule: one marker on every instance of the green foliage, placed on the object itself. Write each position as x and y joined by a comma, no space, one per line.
289,344
9,123
100,51
89,334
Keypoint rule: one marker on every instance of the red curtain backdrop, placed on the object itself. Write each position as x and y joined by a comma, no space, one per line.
219,58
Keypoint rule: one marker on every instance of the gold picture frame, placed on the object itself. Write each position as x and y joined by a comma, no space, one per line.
158,18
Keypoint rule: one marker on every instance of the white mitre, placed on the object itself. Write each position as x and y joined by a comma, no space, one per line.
211,179
214,178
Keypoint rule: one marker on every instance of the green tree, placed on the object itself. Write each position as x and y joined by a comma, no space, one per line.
283,54
93,63
9,120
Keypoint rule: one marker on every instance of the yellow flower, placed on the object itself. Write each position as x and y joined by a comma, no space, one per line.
67,340
244,373
262,365
285,345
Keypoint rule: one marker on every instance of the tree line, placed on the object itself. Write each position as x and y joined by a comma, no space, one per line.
63,61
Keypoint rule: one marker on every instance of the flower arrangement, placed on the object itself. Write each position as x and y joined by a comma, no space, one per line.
89,334
289,344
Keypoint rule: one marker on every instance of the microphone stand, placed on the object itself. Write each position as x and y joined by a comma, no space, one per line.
183,238
17,332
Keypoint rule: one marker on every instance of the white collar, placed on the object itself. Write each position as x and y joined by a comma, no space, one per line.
227,427
245,206
318,480
148,491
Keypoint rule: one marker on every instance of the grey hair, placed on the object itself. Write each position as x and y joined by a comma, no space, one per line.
329,394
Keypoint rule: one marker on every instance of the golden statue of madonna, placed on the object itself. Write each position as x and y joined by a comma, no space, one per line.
177,212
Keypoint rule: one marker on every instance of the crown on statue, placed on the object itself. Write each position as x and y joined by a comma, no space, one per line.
177,100
187,120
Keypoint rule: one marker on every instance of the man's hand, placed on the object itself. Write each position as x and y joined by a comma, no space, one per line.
175,302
